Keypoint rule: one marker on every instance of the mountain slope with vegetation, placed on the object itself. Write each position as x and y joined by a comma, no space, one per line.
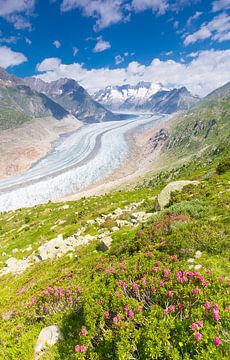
157,288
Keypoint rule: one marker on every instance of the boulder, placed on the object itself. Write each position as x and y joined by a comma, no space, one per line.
105,243
47,337
163,198
15,266
54,248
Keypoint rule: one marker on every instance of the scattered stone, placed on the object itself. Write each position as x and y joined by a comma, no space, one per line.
115,228
105,244
118,212
14,251
197,267
15,266
3,254
47,337
191,260
198,254
163,198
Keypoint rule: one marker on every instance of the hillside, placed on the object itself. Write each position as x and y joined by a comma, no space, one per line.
150,294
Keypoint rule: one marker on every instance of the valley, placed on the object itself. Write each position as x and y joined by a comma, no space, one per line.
77,160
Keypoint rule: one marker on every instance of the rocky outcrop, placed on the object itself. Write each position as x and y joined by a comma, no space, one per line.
163,198
49,336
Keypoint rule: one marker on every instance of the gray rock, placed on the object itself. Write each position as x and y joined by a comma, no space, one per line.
54,248
163,198
15,266
14,251
47,337
105,243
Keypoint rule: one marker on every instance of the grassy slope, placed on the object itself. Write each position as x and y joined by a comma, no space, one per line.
207,230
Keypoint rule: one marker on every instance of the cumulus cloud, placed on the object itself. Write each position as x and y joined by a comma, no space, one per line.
219,5
205,72
101,45
9,57
218,29
49,64
57,44
17,12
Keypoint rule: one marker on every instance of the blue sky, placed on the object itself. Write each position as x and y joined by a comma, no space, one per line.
111,42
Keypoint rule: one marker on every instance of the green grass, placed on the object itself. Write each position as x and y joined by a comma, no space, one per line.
197,219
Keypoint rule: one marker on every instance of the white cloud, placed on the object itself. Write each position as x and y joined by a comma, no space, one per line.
118,59
205,72
12,11
218,5
9,39
28,41
49,64
193,17
8,7
57,44
159,6
106,12
101,45
75,51
9,57
218,29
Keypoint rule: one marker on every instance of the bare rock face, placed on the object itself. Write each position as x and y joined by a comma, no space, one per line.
163,198
47,337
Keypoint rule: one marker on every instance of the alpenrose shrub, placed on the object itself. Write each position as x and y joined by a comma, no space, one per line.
150,306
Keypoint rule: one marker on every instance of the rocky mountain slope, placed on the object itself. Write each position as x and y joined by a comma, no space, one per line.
146,96
202,127
19,103
74,98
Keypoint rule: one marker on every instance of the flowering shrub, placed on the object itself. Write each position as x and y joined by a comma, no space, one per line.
149,307
55,299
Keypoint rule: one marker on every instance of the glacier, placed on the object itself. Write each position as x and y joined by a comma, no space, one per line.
76,161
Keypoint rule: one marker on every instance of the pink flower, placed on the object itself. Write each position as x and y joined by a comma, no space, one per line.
106,314
216,306
207,305
199,323
194,326
217,341
161,283
140,309
83,348
100,302
171,308
205,283
131,313
221,279
115,320
180,306
120,283
216,315
126,308
143,281
83,332
135,286
165,311
198,336
77,348
170,293
154,289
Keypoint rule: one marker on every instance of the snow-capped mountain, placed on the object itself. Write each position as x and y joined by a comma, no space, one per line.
127,96
145,96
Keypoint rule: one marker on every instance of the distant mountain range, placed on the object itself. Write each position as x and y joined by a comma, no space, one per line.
73,97
146,96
